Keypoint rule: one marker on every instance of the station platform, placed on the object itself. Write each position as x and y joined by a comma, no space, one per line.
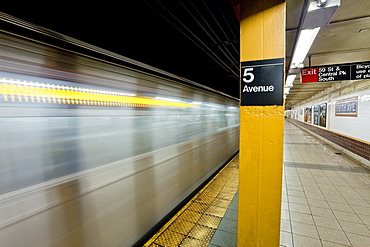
326,195
325,201
209,218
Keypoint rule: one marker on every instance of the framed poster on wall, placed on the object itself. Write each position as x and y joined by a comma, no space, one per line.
307,114
346,107
322,115
316,115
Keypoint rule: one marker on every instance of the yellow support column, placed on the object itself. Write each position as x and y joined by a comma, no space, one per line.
262,52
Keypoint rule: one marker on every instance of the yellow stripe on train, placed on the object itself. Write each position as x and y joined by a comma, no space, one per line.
49,93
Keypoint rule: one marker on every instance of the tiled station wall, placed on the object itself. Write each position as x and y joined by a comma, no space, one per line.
351,132
355,146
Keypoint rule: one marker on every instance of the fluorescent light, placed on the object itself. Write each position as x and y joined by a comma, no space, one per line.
289,80
306,38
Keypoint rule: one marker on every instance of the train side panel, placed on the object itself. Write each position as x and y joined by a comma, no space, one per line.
86,160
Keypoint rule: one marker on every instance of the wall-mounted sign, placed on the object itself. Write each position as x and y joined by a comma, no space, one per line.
262,82
346,107
339,72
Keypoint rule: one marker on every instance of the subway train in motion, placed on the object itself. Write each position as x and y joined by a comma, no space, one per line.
94,153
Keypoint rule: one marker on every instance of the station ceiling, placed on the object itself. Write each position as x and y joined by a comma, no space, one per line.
199,40
345,40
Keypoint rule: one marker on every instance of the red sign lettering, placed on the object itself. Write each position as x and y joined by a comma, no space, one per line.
309,75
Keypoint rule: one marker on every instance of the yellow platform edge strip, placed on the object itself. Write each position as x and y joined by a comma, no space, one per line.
165,226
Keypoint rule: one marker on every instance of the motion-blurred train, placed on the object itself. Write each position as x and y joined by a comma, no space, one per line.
93,153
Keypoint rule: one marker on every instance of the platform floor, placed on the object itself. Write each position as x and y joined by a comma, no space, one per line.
325,202
326,196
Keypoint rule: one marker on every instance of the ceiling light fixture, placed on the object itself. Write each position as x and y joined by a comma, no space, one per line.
289,80
319,14
305,40
321,3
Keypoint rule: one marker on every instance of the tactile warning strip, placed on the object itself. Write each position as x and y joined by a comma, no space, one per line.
198,220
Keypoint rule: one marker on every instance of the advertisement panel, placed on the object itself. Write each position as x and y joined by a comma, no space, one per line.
307,114
316,115
322,115
346,107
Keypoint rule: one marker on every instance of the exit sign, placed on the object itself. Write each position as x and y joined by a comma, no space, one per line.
339,72
309,75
